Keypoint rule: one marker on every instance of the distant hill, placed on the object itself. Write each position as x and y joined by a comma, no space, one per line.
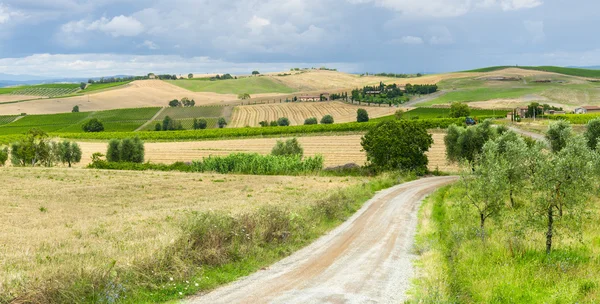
579,72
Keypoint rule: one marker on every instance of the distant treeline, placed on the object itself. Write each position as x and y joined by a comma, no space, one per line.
393,75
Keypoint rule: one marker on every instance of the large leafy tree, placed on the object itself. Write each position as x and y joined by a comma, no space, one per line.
397,145
465,144
35,149
459,109
69,152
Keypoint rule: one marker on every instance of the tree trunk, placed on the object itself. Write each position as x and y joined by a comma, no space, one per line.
512,200
549,232
69,164
482,226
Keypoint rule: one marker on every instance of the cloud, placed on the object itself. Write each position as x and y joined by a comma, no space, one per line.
448,8
256,24
150,45
440,35
117,26
6,14
411,40
536,30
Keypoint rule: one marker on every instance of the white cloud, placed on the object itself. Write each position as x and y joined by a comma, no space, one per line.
440,35
6,14
256,24
412,40
535,29
448,8
116,27
150,45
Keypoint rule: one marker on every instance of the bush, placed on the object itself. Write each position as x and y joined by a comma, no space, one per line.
397,145
398,114
170,124
592,133
264,123
93,125
3,155
69,152
222,123
291,147
459,109
362,115
200,124
126,150
283,122
273,124
158,127
558,134
327,120
174,103
75,109
311,121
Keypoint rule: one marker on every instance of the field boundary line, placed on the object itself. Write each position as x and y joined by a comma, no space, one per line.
150,121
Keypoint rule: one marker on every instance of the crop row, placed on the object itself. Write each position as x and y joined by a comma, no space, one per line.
50,92
577,119
7,119
253,132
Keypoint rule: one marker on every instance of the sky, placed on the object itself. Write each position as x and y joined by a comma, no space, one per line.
75,38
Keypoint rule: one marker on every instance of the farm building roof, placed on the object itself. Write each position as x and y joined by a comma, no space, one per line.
591,107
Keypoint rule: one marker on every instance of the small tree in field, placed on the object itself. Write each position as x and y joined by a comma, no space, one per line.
398,115
83,85
186,102
255,73
311,121
264,123
3,155
327,119
291,147
592,133
112,154
190,76
564,184
69,152
362,115
222,123
200,124
273,123
283,122
459,109
397,145
558,134
125,150
75,109
174,103
244,96
93,125
464,144
33,150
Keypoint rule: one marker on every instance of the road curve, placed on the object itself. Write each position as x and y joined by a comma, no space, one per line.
367,259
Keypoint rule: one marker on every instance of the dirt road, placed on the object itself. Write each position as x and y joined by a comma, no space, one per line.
367,259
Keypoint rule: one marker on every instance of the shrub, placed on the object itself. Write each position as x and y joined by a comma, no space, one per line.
283,122
200,124
291,147
126,150
327,120
93,125
3,155
222,123
311,121
459,109
273,123
362,115
75,109
243,163
592,133
397,145
174,103
264,123
170,124
158,127
69,152
398,114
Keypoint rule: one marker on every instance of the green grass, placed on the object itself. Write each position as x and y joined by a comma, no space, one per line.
457,267
430,113
9,90
554,69
7,119
103,86
121,120
483,94
250,85
192,112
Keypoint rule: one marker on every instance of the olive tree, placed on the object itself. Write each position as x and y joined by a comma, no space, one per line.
464,144
558,134
362,115
311,121
33,150
69,152
592,133
3,155
283,122
327,119
290,147
397,145
93,125
564,184
513,151
222,123
459,109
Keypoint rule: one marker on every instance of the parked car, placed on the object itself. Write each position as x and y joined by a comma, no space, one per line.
470,121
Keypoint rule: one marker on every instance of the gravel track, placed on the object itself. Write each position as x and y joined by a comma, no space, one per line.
367,259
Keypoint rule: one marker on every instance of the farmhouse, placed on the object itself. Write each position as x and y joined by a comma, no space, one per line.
587,109
314,97
373,92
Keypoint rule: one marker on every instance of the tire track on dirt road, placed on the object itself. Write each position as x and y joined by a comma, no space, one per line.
366,259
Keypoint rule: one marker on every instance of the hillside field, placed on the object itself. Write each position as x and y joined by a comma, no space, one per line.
250,85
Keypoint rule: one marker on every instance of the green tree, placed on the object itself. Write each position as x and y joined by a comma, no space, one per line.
3,155
186,102
273,123
33,150
290,147
564,185
83,85
254,73
174,103
362,115
459,109
264,123
200,124
112,154
592,133
397,145
283,122
69,152
465,144
534,108
93,125
327,119
311,121
558,134
244,96
158,127
190,76
222,123
399,113
75,109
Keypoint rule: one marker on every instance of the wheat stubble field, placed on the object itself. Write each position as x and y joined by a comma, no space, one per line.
57,221
297,112
328,146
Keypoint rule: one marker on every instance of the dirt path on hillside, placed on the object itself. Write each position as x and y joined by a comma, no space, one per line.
367,259
151,120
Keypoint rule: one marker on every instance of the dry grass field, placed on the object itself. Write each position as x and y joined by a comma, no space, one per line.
11,98
299,111
59,220
337,150
138,94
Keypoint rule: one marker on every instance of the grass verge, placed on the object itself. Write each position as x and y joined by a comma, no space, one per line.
457,267
214,248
